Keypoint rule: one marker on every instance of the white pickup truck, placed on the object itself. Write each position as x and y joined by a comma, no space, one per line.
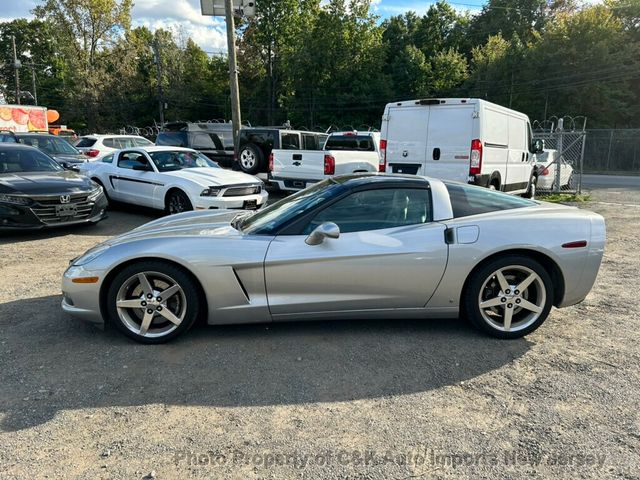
343,152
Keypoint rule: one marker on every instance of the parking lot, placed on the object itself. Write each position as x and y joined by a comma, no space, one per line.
357,399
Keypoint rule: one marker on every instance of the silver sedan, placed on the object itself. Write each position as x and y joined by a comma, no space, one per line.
357,246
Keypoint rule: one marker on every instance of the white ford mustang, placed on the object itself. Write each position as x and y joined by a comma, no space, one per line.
174,179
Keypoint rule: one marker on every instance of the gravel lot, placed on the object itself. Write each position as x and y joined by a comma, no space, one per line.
375,400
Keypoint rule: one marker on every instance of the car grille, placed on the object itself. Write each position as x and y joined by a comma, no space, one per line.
242,191
45,210
55,199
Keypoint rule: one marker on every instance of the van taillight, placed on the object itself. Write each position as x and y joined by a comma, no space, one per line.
544,172
271,162
382,166
329,165
475,163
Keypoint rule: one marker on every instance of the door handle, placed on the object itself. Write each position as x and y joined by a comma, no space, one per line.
436,153
522,156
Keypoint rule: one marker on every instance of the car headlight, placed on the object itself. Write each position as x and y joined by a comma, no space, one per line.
15,199
95,193
210,192
90,255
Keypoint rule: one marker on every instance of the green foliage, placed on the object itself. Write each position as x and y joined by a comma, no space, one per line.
335,62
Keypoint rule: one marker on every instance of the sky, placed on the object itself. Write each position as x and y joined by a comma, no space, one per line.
209,32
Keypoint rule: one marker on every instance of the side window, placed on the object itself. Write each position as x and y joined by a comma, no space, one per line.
310,142
290,141
108,158
202,141
469,200
130,159
142,142
376,209
109,142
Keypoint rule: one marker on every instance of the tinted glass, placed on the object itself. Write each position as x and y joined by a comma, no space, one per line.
173,139
85,142
271,218
49,144
469,200
168,161
376,209
290,141
26,160
310,142
362,143
108,158
203,141
264,138
7,138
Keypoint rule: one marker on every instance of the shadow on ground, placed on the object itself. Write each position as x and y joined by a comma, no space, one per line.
52,362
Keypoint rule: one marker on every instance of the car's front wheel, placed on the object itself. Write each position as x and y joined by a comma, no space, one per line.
509,296
153,301
178,202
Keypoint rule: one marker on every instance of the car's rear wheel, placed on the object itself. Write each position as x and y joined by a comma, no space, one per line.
508,297
250,159
153,302
178,202
531,190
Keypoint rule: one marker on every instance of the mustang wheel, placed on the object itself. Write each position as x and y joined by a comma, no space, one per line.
178,202
250,159
509,297
153,302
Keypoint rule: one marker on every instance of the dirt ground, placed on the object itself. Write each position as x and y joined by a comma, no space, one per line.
360,400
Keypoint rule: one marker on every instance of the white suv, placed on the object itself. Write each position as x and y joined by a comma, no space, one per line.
97,146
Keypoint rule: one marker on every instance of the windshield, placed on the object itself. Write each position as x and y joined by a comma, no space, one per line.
26,160
170,160
270,219
50,144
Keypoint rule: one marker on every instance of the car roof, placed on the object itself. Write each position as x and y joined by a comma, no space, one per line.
356,179
158,148
33,134
103,135
19,146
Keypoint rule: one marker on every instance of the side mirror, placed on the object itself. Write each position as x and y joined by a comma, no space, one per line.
325,230
537,146
142,168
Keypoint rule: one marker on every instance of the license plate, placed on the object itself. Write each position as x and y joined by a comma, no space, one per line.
66,211
250,204
299,184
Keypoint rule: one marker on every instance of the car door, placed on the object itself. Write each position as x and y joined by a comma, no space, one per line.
131,185
388,255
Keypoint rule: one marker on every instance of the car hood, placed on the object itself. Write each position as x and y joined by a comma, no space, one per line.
44,183
197,223
207,176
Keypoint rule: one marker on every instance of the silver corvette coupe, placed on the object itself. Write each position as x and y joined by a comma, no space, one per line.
356,246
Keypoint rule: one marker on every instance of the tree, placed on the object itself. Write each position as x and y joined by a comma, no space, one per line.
87,28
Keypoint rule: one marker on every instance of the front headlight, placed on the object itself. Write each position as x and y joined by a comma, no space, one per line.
90,255
210,192
15,199
95,193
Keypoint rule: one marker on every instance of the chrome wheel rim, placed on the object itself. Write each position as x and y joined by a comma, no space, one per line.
512,298
151,304
247,159
177,204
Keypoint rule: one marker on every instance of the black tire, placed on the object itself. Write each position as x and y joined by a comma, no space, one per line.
177,202
186,303
531,189
483,286
251,159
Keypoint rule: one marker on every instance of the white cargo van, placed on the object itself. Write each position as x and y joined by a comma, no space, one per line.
462,139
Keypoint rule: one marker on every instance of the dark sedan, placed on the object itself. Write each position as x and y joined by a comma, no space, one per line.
57,148
36,192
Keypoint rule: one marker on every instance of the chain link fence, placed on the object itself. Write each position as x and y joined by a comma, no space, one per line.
612,151
559,168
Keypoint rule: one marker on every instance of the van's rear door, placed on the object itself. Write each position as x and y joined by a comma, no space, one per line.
406,136
451,129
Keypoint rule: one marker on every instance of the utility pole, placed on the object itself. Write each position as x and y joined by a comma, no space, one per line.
33,81
16,66
233,71
156,53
